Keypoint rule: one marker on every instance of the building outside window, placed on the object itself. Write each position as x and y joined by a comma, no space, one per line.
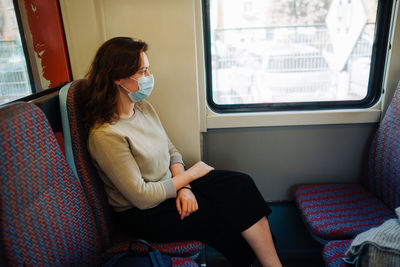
289,51
14,77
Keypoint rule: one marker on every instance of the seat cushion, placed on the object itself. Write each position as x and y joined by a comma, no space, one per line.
340,211
334,251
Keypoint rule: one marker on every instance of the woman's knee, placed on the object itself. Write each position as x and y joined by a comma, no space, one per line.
233,175
227,181
241,179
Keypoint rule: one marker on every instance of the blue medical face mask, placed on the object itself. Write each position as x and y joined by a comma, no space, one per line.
146,85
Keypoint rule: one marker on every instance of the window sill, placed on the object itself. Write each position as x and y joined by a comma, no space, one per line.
290,118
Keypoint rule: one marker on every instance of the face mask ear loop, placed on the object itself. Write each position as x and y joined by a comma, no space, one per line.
120,84
123,87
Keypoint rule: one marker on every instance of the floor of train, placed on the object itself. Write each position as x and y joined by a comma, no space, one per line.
294,245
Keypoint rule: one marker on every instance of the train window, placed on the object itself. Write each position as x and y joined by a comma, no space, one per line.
294,54
14,76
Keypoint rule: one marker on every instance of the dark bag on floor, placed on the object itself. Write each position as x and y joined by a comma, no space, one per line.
152,258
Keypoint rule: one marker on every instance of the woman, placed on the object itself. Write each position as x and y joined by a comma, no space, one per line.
144,175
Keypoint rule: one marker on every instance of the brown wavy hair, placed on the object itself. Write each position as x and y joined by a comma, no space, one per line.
117,58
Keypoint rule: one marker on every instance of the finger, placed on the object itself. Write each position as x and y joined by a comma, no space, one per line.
197,205
184,210
184,215
189,207
178,206
188,212
194,206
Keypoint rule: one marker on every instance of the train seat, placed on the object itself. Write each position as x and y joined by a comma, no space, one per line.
78,156
341,211
378,246
334,252
45,218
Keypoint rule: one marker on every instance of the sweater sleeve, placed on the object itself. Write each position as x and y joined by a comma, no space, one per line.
175,156
112,155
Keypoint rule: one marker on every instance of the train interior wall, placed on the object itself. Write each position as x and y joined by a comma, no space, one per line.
279,158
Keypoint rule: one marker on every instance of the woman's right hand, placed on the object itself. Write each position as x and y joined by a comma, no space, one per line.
199,170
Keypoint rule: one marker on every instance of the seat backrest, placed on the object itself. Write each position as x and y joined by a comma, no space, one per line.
44,216
383,175
78,155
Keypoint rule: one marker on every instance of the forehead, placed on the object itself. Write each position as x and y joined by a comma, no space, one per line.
144,62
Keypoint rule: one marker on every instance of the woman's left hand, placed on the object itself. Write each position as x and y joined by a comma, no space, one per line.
186,203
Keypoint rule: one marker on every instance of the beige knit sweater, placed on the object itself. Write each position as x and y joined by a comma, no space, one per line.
132,157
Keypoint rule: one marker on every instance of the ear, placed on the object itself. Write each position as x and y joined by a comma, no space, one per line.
117,82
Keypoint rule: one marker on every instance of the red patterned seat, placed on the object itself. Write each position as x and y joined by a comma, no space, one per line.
334,251
340,211
45,219
93,185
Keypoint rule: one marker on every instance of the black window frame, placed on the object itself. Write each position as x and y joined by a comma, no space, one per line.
378,60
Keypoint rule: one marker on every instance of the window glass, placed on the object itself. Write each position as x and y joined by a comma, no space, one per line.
14,77
290,51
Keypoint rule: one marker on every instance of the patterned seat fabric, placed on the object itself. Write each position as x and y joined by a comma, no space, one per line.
175,249
94,190
44,216
341,211
183,262
383,176
334,251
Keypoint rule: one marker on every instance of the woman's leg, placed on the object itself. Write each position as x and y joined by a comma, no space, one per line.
243,207
235,196
260,240
229,205
162,224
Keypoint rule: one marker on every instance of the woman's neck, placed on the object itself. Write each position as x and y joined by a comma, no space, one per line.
125,106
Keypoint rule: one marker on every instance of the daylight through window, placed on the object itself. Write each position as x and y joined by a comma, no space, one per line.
14,78
285,51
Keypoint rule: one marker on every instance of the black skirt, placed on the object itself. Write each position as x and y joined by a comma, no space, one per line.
229,203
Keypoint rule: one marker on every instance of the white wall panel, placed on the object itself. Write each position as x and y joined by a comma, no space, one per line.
169,29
